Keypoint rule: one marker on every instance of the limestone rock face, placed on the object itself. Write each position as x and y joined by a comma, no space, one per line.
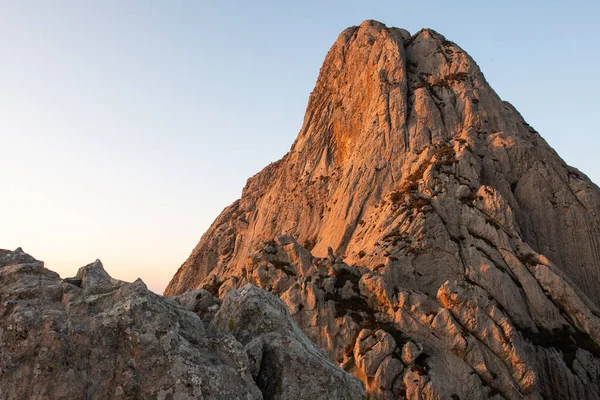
287,364
420,231
95,337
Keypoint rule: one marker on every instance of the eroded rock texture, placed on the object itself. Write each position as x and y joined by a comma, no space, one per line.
284,362
464,256
94,337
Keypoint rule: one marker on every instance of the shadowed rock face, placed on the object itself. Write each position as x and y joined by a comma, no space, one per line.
284,362
94,337
464,259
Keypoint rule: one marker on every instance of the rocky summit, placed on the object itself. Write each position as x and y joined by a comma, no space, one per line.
419,241
420,232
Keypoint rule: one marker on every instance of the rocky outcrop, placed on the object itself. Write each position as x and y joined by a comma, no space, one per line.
92,336
420,231
462,342
279,350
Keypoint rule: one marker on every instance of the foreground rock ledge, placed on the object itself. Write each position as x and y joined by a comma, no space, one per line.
94,337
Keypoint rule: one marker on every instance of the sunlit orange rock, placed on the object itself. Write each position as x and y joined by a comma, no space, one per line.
452,225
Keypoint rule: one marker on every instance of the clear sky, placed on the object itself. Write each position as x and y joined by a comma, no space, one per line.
127,126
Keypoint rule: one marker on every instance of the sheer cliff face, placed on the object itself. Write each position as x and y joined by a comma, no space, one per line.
464,258
400,135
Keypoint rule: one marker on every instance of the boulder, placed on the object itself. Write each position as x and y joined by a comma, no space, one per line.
285,364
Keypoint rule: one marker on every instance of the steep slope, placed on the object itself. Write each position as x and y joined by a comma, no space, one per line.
455,230
385,108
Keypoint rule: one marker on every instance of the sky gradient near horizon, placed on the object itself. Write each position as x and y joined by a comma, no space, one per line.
126,127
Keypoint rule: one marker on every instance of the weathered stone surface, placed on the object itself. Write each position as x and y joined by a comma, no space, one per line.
105,338
417,205
460,343
200,301
371,349
410,352
96,337
286,365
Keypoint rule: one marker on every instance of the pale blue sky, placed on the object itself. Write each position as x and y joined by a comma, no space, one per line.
127,126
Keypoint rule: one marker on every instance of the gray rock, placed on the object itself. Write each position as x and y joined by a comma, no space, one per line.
410,352
107,339
282,240
291,366
201,302
371,348
18,256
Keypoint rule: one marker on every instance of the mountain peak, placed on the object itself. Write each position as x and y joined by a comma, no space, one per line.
362,67
418,209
